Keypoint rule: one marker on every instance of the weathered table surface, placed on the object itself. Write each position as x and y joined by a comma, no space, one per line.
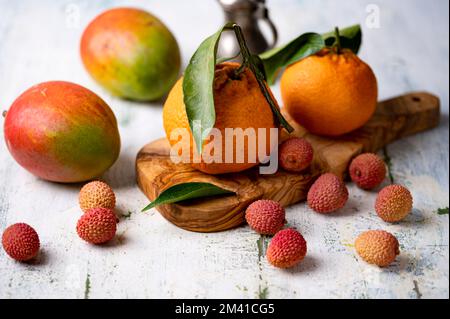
150,257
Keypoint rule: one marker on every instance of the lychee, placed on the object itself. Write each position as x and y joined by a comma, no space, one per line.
21,242
96,194
393,203
266,217
327,194
367,170
296,154
286,249
377,247
97,225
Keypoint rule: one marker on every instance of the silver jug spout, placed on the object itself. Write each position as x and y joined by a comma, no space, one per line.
247,14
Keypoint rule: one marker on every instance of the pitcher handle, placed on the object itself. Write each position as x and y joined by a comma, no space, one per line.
264,15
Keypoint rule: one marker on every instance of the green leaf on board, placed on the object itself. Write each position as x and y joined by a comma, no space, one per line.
186,191
443,211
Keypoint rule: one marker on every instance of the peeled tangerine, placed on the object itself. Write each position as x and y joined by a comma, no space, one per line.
266,217
327,194
367,170
394,203
286,249
96,194
21,242
377,247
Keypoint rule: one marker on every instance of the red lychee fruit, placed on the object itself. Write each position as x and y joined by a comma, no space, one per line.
367,170
327,194
286,249
21,242
266,217
96,194
97,225
296,154
393,203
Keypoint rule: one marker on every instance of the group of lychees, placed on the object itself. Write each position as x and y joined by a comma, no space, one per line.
287,248
97,225
327,195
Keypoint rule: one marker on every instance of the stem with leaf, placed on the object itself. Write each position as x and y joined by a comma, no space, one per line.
198,84
308,44
250,61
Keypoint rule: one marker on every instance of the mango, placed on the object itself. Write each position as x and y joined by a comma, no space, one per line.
131,53
62,132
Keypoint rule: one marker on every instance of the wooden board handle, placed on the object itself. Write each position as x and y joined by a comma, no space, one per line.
395,118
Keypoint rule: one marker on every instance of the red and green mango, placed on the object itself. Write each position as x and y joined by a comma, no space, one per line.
62,132
131,53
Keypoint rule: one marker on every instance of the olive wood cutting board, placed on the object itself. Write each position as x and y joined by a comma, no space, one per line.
394,118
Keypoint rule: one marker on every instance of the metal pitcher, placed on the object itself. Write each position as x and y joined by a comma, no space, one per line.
247,14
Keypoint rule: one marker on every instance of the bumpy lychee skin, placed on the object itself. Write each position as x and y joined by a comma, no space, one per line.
96,194
367,171
377,247
286,249
97,225
295,155
327,194
393,203
21,242
266,217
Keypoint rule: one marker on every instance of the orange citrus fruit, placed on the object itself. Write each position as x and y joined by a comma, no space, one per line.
330,93
239,103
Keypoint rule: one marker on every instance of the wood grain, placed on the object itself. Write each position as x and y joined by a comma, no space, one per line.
395,118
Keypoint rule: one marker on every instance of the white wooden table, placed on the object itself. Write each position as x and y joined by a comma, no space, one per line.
151,258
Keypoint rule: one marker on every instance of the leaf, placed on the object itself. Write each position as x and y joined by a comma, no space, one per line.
226,59
198,84
186,191
198,88
255,64
305,45
443,211
276,59
351,38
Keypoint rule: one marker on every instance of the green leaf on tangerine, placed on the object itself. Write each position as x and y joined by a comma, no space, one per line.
198,84
198,88
351,38
303,46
